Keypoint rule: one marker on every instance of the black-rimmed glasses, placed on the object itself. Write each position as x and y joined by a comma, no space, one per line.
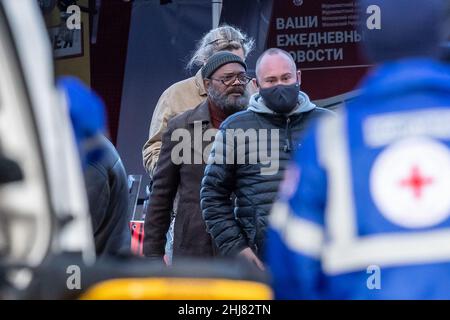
229,80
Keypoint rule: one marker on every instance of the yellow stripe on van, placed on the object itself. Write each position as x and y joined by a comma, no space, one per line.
178,289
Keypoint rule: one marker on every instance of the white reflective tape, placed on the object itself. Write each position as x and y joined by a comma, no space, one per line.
335,158
304,236
387,250
279,215
299,235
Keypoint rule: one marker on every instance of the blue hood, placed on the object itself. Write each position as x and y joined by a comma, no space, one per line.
407,74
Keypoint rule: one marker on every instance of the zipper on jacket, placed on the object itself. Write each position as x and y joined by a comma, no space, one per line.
287,146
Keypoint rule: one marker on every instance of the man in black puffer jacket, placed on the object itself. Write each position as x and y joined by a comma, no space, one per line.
249,156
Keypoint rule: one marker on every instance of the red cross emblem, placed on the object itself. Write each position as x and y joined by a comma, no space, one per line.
416,182
418,167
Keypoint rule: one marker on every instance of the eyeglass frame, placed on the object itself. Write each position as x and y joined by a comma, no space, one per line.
235,77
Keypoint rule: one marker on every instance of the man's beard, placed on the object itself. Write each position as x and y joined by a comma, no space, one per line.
229,104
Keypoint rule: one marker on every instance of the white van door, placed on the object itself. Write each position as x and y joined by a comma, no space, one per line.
46,211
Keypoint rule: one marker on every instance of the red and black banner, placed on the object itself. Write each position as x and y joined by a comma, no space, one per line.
323,38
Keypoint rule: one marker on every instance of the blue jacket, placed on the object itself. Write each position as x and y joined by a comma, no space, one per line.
365,209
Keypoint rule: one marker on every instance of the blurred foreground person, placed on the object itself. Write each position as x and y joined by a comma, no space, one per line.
366,209
107,189
104,173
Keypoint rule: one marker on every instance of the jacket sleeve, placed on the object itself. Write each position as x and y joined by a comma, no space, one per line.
98,192
296,232
107,190
165,185
152,148
217,186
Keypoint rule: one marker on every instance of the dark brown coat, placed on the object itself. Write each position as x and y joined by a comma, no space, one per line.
190,235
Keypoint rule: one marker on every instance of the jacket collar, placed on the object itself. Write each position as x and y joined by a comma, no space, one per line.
199,83
200,113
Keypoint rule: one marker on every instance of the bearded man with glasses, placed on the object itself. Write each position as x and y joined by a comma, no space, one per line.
181,164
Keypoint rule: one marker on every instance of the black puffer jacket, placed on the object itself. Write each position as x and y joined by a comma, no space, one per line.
241,222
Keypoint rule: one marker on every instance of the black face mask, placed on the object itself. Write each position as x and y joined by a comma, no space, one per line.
281,98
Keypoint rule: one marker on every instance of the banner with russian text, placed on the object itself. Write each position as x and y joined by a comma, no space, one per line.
322,37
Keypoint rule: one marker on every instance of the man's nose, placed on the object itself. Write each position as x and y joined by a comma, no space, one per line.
237,84
236,80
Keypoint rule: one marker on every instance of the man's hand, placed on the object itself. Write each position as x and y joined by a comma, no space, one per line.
248,254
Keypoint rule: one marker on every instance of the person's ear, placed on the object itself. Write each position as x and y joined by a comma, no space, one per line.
255,83
252,86
299,77
206,83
